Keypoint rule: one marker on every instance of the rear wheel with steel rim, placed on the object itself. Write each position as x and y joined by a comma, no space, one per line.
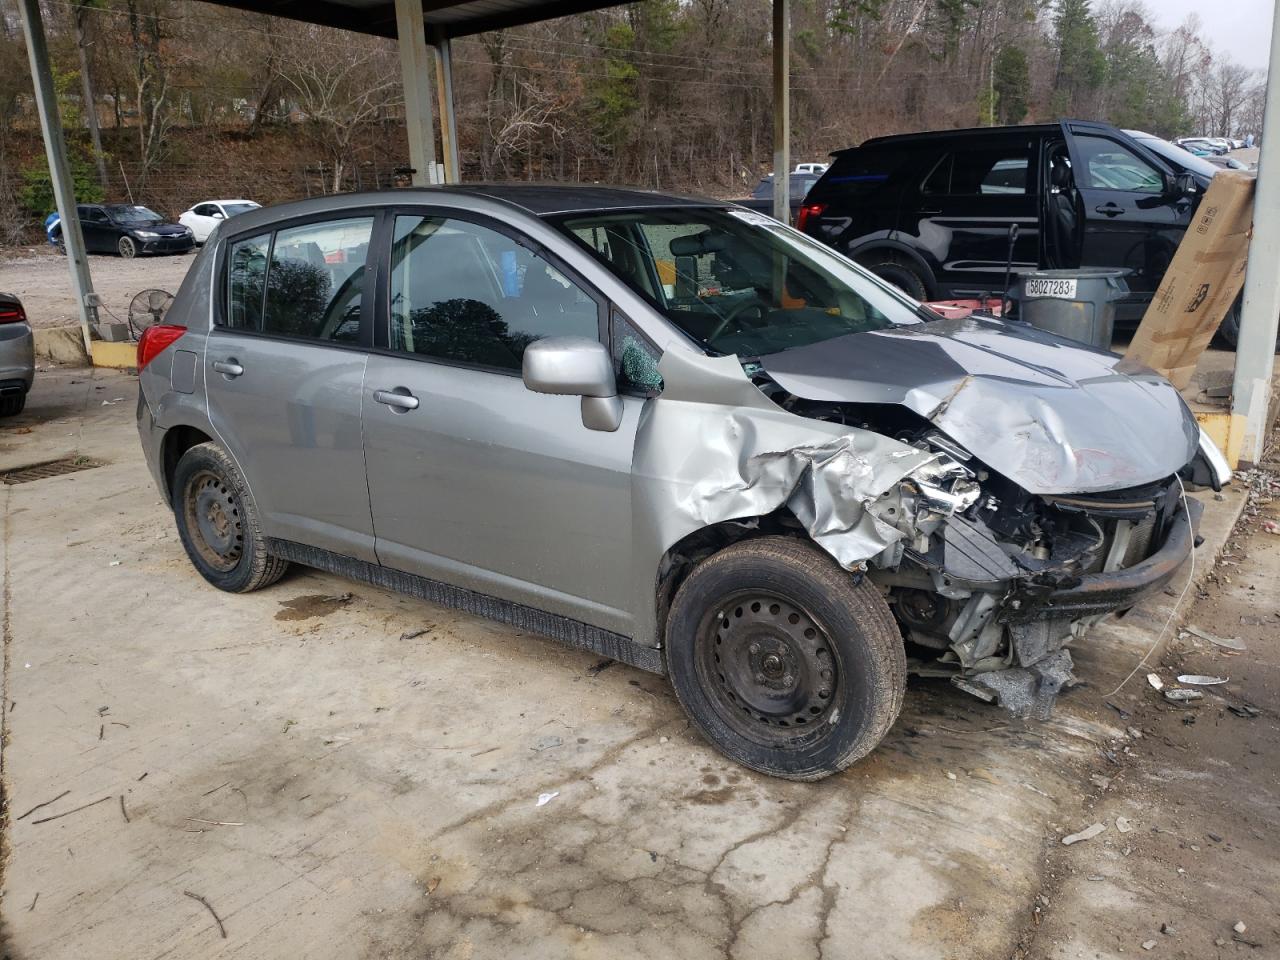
127,247
785,662
218,522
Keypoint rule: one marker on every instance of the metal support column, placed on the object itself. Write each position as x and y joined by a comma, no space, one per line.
1255,352
415,68
59,172
782,110
448,118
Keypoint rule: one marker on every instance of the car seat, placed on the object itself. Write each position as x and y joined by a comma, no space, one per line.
1064,224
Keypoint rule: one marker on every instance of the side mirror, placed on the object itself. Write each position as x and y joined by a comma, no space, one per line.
576,367
218,215
1181,185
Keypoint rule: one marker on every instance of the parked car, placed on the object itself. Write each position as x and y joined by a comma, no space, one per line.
818,168
1201,145
761,197
203,217
1229,163
128,230
931,212
17,356
670,431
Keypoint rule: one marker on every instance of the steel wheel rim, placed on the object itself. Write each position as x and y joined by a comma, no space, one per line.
769,668
214,520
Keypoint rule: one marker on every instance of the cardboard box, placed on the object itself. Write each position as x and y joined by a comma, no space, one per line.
1201,284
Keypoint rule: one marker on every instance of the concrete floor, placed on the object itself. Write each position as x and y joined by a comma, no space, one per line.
333,788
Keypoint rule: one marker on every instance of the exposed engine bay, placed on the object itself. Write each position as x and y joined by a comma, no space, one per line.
973,581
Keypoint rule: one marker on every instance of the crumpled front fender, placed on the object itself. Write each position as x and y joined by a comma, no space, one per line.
713,448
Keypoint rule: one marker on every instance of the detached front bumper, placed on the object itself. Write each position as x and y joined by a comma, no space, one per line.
1098,593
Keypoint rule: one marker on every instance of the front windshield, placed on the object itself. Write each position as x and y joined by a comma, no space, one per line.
738,282
129,214
234,209
1179,157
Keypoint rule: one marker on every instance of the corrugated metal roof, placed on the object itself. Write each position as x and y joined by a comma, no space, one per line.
378,17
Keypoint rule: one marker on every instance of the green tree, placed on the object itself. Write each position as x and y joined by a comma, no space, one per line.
1011,81
36,192
1082,68
613,97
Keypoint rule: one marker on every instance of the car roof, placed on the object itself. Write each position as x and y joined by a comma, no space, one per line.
240,200
930,135
539,200
542,199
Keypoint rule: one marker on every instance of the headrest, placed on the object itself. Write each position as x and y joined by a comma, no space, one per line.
1060,172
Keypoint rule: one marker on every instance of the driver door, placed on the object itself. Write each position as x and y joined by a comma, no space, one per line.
1131,219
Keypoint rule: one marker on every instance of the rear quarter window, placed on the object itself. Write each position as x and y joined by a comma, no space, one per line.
864,171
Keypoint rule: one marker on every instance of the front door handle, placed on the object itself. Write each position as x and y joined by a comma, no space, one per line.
1110,209
399,398
229,368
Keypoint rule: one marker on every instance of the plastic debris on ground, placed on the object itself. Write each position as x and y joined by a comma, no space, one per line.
1088,833
1200,680
1155,681
545,798
1227,643
1182,696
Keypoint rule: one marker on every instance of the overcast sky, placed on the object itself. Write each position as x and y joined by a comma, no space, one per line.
1241,28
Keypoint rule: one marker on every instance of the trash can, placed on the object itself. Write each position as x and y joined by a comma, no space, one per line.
1079,304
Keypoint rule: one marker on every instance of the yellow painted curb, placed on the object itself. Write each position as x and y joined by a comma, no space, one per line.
118,356
1225,430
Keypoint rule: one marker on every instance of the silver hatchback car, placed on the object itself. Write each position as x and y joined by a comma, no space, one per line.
671,431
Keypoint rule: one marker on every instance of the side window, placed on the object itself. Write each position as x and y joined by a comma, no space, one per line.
635,359
1107,165
95,215
205,210
463,292
246,282
986,171
315,280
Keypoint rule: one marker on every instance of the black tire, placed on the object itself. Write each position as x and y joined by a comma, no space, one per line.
218,522
897,270
759,632
12,404
1229,331
128,248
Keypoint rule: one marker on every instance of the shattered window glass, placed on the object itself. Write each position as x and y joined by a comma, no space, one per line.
635,359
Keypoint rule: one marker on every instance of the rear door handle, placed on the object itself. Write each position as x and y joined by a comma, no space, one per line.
229,368
1110,209
399,398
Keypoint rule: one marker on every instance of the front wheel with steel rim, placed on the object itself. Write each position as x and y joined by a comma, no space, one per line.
218,522
787,663
128,248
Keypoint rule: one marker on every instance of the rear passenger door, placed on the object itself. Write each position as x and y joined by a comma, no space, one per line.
474,480
285,365
968,201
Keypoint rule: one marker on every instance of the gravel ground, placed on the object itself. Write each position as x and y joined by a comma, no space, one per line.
40,277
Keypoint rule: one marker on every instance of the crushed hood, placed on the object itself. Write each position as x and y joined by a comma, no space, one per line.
1053,416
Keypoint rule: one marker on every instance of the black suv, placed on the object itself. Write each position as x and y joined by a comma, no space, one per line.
931,212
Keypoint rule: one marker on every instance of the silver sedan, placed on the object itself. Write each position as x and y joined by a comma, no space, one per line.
17,356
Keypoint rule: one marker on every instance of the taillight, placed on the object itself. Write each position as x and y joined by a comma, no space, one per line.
12,313
155,339
810,211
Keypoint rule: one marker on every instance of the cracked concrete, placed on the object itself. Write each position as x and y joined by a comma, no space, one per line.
373,796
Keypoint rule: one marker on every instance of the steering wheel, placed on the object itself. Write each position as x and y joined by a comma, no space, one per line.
735,312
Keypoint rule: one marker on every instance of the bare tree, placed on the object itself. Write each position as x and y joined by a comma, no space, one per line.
337,93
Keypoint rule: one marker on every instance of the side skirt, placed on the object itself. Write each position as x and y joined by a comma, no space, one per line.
572,633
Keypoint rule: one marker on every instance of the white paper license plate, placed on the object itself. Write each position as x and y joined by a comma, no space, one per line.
1060,289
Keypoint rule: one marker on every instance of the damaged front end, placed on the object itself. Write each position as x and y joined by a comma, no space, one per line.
990,573
991,584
